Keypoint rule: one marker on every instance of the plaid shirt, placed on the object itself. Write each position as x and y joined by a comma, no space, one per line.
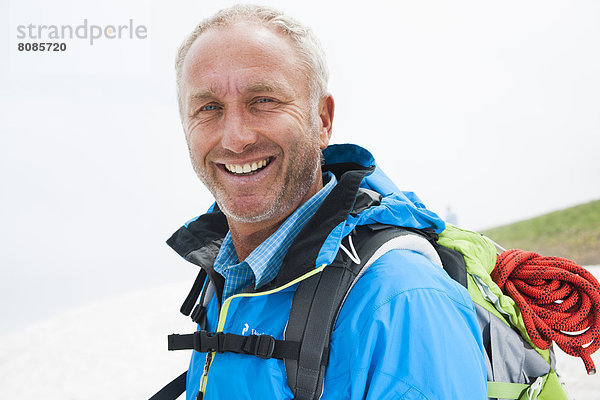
263,264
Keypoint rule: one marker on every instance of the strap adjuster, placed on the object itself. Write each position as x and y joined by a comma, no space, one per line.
198,314
261,346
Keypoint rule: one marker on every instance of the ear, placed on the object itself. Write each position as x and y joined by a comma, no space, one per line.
326,107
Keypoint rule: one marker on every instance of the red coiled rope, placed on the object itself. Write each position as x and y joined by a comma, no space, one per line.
559,301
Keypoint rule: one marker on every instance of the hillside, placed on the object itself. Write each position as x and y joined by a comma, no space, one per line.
572,233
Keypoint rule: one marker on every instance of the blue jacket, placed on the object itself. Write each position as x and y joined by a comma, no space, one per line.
406,330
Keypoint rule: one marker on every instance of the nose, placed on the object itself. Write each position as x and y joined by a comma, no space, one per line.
237,135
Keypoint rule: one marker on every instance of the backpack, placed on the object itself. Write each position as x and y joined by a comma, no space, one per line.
516,367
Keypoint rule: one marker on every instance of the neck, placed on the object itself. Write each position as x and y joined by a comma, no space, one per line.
246,241
248,236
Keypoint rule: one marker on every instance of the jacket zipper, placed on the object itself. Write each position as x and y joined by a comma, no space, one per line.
204,377
223,317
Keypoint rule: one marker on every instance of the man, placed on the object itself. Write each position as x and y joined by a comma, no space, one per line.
253,99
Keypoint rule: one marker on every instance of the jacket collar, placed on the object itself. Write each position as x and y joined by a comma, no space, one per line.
207,231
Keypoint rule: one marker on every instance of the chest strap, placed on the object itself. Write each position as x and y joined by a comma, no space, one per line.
261,346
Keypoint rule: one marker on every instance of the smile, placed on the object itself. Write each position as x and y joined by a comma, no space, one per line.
247,169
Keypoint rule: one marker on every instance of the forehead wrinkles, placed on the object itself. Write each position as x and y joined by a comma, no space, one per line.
239,85
233,59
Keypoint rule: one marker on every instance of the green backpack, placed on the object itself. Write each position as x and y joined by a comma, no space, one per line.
506,329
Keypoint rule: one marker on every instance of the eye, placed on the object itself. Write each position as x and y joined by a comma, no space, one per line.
264,103
209,107
205,111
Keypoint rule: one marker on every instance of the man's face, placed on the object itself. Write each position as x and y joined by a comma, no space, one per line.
253,134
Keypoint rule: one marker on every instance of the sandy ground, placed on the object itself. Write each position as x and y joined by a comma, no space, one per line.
116,349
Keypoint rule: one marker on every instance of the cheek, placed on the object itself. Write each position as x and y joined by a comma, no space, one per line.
197,151
283,118
200,143
290,129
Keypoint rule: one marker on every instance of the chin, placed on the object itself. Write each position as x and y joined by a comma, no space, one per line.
243,215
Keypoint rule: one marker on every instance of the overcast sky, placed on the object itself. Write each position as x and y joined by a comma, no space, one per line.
490,108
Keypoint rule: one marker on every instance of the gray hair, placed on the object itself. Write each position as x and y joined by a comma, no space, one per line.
307,45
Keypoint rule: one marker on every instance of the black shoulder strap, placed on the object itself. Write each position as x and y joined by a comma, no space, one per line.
313,310
454,263
173,390
192,297
316,305
177,386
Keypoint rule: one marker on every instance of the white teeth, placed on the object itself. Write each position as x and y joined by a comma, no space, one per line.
246,168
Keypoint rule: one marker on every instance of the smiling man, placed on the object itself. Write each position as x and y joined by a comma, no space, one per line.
253,126
257,116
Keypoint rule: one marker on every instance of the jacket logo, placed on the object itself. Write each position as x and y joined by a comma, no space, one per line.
252,331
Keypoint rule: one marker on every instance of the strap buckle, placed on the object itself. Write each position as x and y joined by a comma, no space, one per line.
263,346
205,342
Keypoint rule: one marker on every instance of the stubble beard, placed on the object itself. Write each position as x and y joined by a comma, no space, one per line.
298,180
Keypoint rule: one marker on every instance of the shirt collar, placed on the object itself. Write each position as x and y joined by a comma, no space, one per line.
265,261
